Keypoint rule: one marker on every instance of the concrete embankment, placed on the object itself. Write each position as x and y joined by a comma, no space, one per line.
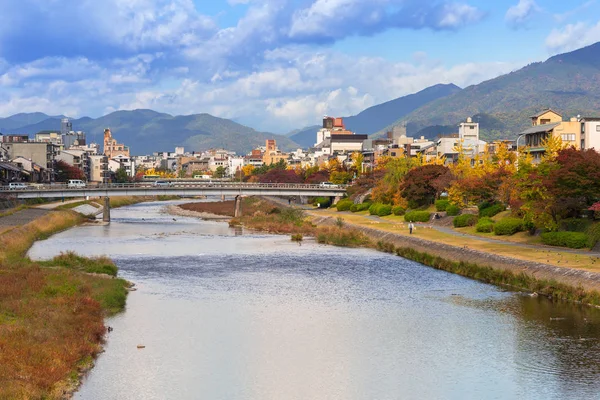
569,276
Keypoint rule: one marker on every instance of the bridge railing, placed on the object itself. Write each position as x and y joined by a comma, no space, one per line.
174,185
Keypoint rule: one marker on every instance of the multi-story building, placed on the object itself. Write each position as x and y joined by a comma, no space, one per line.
99,168
48,137
40,153
112,148
549,123
590,133
272,154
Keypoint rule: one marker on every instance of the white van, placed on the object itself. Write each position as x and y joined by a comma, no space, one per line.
75,184
17,186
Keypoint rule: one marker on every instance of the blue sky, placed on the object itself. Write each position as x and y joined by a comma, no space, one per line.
275,65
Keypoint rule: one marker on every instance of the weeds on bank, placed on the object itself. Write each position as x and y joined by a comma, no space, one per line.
51,319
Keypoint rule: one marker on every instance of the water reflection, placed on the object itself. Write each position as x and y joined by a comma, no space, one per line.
225,316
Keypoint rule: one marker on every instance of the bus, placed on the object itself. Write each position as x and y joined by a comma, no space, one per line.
150,177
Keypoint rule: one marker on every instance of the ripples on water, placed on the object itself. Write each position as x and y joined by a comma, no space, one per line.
259,317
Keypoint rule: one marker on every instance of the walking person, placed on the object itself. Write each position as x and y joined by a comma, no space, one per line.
411,226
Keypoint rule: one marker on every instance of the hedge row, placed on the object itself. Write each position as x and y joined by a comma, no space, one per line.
508,226
380,209
573,240
465,220
360,207
417,216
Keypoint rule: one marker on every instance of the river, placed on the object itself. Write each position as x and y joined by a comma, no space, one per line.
226,314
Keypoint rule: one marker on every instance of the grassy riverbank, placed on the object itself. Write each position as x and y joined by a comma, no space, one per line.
52,312
265,216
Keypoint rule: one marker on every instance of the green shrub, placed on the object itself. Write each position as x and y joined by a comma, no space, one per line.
374,208
297,237
485,224
452,210
360,207
484,204
398,210
573,240
344,205
575,224
508,226
465,220
492,210
323,202
417,216
441,205
593,233
384,209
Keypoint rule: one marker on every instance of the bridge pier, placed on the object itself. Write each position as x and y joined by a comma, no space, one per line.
106,210
238,207
334,200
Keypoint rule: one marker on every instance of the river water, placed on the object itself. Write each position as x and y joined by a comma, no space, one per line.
225,314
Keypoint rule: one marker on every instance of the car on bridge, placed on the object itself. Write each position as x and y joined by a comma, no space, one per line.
17,186
75,184
329,185
161,183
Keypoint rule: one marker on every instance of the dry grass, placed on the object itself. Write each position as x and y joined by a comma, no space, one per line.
51,319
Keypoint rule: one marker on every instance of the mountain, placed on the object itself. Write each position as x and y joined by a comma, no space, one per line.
380,116
568,83
15,121
148,131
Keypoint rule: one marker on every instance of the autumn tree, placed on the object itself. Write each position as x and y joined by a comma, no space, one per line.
422,185
64,172
277,175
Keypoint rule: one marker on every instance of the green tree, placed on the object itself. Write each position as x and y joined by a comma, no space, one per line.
121,176
219,172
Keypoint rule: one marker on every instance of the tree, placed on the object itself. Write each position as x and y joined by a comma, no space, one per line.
121,176
219,172
277,175
340,177
64,172
422,185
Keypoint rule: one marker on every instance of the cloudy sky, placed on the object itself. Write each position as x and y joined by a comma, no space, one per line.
275,65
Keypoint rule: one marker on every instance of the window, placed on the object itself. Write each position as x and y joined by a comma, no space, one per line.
597,128
544,121
568,137
471,127
393,154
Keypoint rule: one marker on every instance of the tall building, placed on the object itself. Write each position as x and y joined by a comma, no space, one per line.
112,148
66,126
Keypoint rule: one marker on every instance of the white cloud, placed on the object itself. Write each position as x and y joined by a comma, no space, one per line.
457,15
572,36
519,14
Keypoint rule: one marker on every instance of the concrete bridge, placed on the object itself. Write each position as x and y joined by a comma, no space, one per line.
164,188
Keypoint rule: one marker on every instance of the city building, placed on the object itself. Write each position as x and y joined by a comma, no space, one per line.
590,133
546,124
112,148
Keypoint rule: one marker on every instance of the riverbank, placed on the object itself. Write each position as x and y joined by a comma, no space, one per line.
52,312
555,282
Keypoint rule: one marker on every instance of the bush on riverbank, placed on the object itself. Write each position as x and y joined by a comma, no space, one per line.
398,210
344,205
360,207
417,216
452,210
380,210
342,237
491,210
508,226
464,220
485,225
573,240
441,205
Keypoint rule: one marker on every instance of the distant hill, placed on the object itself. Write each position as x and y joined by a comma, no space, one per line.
147,131
7,125
380,116
568,83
